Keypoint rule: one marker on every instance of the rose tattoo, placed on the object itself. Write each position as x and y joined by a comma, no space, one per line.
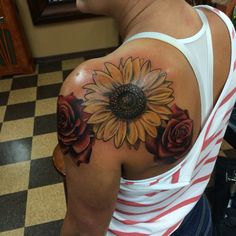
74,134
173,141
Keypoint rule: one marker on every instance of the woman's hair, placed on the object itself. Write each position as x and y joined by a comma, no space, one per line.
222,2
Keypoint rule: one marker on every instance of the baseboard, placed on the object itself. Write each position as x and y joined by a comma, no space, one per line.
86,54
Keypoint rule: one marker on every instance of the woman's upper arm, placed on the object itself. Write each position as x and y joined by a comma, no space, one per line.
92,169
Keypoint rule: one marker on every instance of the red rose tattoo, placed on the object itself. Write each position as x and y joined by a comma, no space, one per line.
74,134
173,141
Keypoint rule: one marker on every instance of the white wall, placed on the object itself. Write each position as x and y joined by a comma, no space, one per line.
69,36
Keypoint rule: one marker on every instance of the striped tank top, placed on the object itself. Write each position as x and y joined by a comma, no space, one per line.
158,205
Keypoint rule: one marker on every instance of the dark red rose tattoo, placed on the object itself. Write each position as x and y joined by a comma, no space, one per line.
174,140
74,134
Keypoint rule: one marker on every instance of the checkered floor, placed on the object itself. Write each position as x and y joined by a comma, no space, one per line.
32,199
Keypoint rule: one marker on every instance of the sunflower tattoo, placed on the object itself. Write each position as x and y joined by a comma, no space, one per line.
128,102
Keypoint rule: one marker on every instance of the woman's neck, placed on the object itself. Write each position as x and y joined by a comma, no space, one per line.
153,15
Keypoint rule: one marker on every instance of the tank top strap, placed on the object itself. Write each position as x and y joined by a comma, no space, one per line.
181,44
208,81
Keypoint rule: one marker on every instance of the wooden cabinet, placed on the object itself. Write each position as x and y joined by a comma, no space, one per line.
15,56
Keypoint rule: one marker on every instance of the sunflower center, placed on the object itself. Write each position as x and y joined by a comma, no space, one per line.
127,101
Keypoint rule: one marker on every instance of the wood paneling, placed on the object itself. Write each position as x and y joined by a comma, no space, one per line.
14,54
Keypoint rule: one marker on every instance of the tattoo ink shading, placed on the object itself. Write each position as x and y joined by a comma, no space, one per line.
74,134
127,104
174,140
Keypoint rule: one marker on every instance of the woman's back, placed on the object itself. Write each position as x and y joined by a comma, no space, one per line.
142,118
162,55
145,206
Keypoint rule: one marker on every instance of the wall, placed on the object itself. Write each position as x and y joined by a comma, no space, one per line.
68,37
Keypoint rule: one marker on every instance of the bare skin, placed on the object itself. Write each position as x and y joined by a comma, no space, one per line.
92,188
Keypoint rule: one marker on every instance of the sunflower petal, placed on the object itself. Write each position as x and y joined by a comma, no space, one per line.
121,134
96,97
121,65
159,109
100,116
161,95
93,101
92,87
150,129
142,62
128,71
151,79
132,133
110,129
162,102
158,90
163,111
141,130
160,80
93,108
151,118
115,73
104,81
167,84
136,69
164,117
152,92
100,131
145,69
96,127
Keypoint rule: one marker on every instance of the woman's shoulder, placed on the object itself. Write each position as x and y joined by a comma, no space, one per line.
129,97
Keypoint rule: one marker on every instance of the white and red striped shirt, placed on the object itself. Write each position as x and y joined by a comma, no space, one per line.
158,205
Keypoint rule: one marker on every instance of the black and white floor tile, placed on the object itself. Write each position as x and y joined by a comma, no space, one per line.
32,198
